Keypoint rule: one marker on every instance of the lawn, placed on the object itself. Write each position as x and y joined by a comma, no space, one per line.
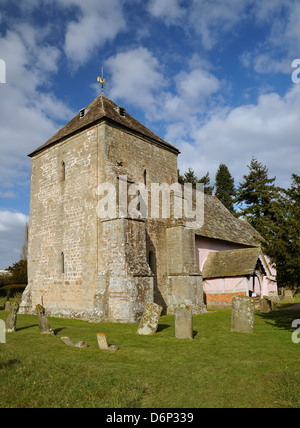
217,368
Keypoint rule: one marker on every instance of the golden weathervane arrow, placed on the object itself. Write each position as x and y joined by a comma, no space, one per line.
102,81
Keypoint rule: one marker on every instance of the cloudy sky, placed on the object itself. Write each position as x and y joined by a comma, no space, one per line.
212,77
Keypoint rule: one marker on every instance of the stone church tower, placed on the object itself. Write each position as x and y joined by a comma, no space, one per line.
83,266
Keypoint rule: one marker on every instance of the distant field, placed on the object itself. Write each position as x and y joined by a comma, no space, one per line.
216,369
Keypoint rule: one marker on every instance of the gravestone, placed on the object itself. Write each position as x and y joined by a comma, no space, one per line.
103,344
11,321
242,314
2,332
7,306
150,319
288,296
273,296
265,305
44,324
69,342
183,322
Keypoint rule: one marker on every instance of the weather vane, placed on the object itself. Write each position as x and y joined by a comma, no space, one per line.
102,81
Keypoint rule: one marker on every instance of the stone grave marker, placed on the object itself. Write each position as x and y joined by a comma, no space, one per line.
44,324
288,296
7,306
2,332
69,342
242,314
150,319
103,344
183,322
273,296
265,305
11,321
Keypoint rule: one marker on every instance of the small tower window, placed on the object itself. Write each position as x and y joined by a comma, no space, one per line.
82,113
62,263
63,171
145,177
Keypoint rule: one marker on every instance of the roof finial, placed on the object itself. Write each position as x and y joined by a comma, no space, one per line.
102,81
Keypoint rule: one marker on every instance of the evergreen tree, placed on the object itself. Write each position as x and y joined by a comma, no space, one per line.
283,243
190,177
256,195
225,190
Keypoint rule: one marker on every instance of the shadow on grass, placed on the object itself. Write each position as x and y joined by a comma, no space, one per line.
162,327
9,363
282,319
26,327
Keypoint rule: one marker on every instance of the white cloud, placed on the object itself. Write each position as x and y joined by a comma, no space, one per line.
168,10
281,20
268,130
98,21
135,77
12,235
25,113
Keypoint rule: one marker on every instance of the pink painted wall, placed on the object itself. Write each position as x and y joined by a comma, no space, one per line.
206,245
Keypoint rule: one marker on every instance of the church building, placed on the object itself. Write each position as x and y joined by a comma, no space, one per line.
82,265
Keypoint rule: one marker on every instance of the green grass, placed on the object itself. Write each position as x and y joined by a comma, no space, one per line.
216,369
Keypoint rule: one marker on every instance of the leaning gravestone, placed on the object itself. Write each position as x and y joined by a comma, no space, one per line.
150,319
265,305
11,321
103,344
44,324
242,314
2,332
183,322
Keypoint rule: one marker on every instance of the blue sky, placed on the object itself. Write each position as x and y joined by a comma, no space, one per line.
212,77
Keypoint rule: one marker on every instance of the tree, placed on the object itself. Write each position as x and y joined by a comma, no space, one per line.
225,190
256,195
283,242
190,177
19,269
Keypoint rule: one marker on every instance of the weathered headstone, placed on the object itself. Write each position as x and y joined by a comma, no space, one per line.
242,314
265,305
69,342
273,296
149,322
2,332
7,306
288,296
183,322
103,344
44,324
11,321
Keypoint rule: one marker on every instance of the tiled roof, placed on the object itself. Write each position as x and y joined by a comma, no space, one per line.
220,224
220,264
102,109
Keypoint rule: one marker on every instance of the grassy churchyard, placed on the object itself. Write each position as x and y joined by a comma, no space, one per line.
218,368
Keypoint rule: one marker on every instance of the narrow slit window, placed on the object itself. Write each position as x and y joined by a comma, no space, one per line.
62,263
63,171
145,177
